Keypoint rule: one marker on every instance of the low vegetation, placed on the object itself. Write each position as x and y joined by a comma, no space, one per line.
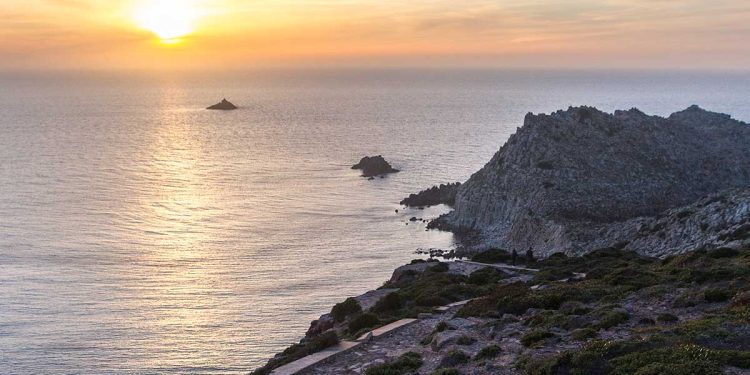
407,363
686,314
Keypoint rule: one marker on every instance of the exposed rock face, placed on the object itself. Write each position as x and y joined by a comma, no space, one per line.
224,105
720,220
572,180
372,166
443,194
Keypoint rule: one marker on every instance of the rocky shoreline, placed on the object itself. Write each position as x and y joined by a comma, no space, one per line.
644,242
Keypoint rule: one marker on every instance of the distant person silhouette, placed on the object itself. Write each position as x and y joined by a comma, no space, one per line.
514,256
530,255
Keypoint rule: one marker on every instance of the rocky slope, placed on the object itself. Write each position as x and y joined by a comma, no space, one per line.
582,179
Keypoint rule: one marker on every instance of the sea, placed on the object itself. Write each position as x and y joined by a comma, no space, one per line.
143,234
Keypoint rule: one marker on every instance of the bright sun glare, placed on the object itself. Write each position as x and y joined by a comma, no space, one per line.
170,20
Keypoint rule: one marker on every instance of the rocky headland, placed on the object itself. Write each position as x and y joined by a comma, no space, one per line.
581,179
373,166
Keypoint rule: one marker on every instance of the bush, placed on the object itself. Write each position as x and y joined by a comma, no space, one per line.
407,363
685,359
442,326
454,358
440,267
666,318
715,295
487,275
488,352
341,310
390,302
584,334
574,308
363,321
465,340
535,336
611,319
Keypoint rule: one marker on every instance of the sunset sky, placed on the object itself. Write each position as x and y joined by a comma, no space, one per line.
236,34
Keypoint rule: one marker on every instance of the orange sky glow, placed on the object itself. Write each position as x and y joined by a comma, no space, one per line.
239,34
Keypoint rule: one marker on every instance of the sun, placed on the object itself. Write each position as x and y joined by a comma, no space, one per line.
170,20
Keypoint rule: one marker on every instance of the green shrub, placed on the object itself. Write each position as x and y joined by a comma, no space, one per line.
392,301
574,308
465,340
454,358
488,352
612,318
427,339
363,321
584,334
716,295
666,318
437,289
487,275
440,267
349,307
407,363
685,359
535,336
442,326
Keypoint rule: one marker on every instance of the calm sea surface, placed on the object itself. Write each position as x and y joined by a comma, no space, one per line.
140,233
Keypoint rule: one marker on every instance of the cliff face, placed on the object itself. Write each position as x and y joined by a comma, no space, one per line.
567,181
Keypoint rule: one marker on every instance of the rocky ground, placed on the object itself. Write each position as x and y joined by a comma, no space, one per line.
609,312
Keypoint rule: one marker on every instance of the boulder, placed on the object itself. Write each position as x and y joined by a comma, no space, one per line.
374,166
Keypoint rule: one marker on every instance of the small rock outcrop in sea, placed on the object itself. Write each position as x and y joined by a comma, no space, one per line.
374,166
442,194
224,105
582,179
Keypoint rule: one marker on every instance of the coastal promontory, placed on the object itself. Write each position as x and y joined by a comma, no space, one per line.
581,179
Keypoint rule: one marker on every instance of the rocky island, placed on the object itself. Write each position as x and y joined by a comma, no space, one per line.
373,166
223,105
608,244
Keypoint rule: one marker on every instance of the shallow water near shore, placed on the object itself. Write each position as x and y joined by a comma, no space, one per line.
141,233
